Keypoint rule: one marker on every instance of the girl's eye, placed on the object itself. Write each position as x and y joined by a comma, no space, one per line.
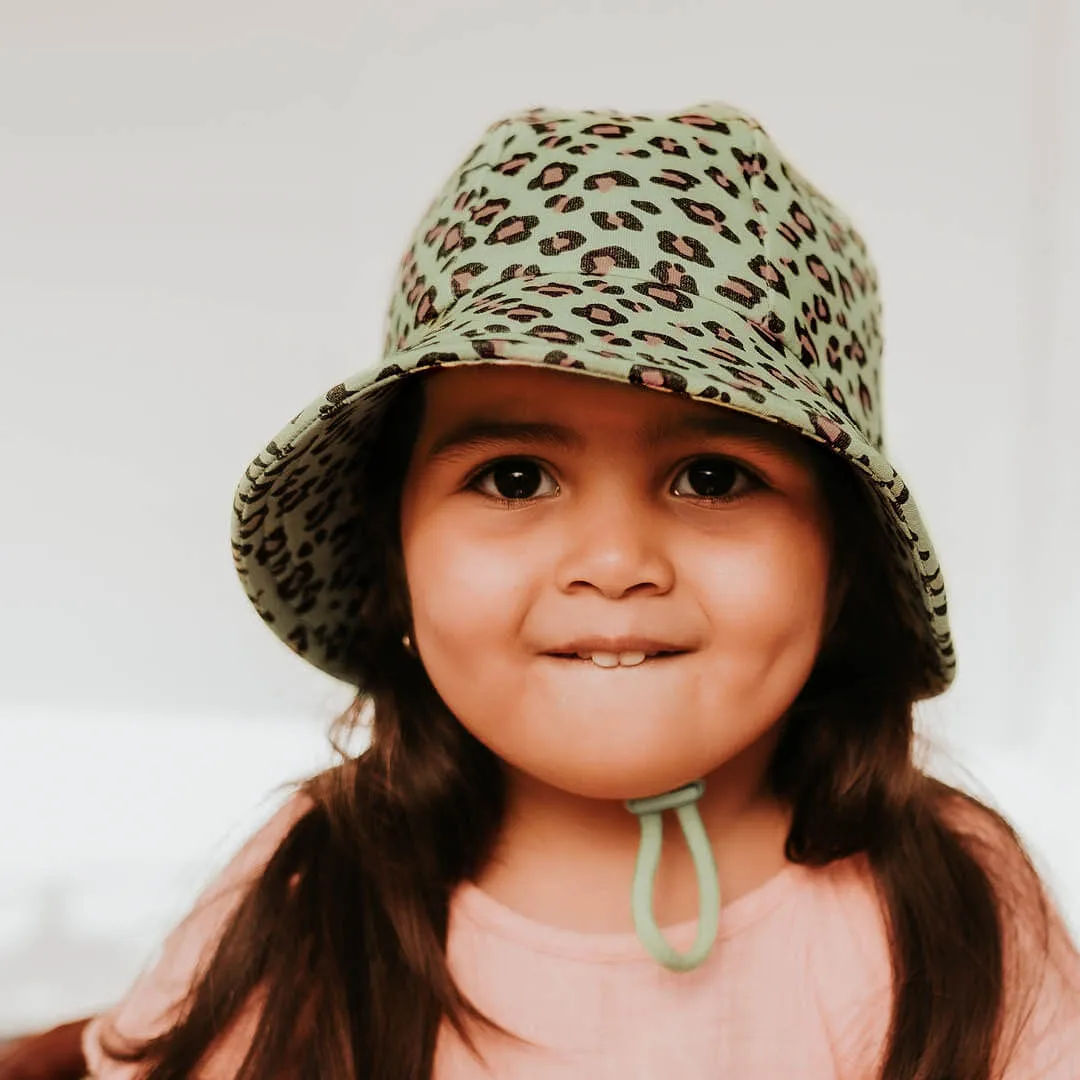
716,477
712,479
513,478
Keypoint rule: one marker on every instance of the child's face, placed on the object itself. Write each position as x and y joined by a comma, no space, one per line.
616,540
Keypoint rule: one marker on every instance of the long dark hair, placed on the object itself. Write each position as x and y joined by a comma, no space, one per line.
342,936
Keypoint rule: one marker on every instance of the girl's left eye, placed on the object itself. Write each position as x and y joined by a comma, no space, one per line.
513,477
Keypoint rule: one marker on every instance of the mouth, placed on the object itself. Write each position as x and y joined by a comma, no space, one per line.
585,660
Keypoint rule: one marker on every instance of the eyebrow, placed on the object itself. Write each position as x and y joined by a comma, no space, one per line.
485,431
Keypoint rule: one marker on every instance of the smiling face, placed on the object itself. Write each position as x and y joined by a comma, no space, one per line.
716,542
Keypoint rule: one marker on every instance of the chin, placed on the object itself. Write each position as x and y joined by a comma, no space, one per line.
629,783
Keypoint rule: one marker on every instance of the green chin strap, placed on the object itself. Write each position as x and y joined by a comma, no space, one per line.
649,810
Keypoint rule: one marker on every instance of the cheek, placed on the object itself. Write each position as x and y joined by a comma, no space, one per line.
469,601
769,593
463,591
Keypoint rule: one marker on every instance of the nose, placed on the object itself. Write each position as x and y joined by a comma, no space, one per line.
615,542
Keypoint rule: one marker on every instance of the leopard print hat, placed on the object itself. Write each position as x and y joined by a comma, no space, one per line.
676,251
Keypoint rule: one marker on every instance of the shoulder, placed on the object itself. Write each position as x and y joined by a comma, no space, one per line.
1030,914
150,1005
1041,962
225,891
848,961
1040,1034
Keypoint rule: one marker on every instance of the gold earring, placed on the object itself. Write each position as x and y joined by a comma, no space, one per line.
407,642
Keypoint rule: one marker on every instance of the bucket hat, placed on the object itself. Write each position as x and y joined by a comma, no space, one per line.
679,251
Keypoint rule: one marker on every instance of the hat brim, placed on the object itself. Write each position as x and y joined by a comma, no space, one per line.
294,509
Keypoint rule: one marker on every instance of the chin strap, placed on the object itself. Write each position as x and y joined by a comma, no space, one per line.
649,811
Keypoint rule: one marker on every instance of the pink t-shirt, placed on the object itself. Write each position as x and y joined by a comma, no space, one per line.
797,984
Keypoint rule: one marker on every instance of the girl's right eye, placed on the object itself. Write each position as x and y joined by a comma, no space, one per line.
514,469
519,474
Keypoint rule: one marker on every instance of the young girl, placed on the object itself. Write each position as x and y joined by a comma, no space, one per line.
610,536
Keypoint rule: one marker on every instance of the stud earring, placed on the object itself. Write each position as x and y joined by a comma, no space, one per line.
407,642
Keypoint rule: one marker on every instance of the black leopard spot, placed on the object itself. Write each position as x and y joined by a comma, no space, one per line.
463,277
769,328
558,358
554,175
483,215
755,229
769,274
600,314
706,123
526,312
555,288
722,180
513,229
674,178
426,311
847,293
605,260
562,241
610,220
605,181
555,333
703,213
803,220
564,204
741,291
674,274
668,145
808,353
642,375
665,295
684,246
512,166
755,164
607,130
435,359
718,330
821,272
789,234
651,337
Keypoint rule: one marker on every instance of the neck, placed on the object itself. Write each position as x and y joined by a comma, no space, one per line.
551,838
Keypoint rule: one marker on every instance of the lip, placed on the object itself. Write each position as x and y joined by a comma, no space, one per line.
615,645
651,660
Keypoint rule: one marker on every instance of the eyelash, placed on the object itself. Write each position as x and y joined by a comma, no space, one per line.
515,504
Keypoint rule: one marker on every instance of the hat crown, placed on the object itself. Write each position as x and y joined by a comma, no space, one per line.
672,210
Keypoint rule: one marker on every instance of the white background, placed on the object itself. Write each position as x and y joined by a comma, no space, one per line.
202,206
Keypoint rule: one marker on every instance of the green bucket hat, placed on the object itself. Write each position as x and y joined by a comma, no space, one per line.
677,251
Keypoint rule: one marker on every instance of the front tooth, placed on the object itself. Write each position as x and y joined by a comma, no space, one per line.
610,660
604,659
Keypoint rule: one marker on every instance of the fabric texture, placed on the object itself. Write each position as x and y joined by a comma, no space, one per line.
679,253
799,984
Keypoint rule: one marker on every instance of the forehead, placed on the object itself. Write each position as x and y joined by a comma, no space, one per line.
454,397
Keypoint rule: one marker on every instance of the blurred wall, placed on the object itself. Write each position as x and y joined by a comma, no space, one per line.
201,210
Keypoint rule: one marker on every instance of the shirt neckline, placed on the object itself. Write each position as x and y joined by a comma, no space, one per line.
492,915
